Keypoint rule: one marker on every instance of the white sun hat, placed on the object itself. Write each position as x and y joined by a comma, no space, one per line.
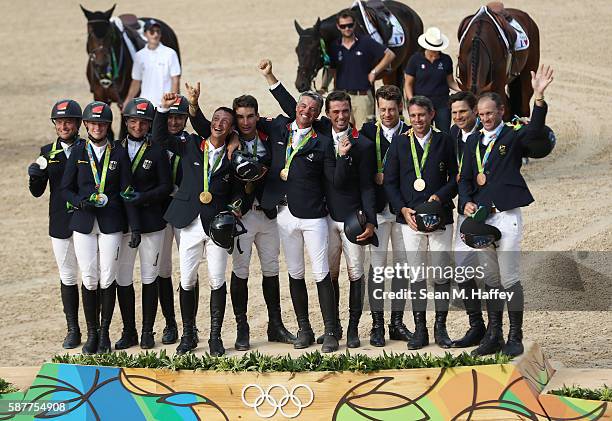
433,39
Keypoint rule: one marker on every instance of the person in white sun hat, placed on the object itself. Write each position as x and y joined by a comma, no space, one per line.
430,73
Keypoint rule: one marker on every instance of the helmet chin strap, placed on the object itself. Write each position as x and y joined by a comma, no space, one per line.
96,141
136,139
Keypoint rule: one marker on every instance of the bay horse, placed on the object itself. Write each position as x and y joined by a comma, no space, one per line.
314,42
487,64
109,67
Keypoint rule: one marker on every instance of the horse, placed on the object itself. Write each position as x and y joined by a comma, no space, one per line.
487,64
109,67
312,45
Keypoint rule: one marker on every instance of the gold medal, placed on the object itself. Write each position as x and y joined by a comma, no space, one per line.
249,187
205,197
419,184
284,174
379,178
481,179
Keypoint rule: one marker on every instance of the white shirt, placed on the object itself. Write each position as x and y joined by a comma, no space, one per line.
490,135
337,137
133,147
250,144
389,133
155,68
423,141
67,147
298,134
212,156
465,135
99,150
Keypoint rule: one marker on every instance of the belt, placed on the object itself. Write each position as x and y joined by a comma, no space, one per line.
357,92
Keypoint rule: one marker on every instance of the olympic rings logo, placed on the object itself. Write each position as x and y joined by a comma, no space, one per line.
265,399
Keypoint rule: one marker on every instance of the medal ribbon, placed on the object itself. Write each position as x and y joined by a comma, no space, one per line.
100,181
55,151
481,162
139,155
291,153
175,165
208,173
418,167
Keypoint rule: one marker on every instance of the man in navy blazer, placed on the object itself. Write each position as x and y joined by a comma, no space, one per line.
491,182
422,166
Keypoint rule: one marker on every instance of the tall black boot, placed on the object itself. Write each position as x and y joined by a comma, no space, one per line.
277,332
149,311
420,338
70,302
299,298
166,301
474,311
187,304
493,340
239,290
516,306
338,332
441,305
217,313
108,297
327,302
355,310
195,310
90,308
377,333
127,304
397,329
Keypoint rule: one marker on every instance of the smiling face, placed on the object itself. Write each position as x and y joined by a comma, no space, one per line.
306,111
97,130
66,128
246,120
137,127
490,114
463,116
420,119
176,123
340,115
221,125
389,112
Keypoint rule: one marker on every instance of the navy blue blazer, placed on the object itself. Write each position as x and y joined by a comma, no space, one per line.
59,217
78,184
186,205
505,187
152,180
439,173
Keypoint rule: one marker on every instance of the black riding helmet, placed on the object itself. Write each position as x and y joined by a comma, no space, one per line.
544,145
246,166
139,108
66,108
180,106
98,111
429,216
223,230
355,225
478,235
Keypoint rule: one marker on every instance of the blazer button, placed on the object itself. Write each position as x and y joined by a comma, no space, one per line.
487,172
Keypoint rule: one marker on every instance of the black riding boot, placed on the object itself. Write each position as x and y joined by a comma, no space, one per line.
149,311
217,313
299,298
90,308
377,333
474,311
187,304
70,302
338,332
493,340
195,310
441,305
129,336
355,310
397,329
277,332
166,301
514,344
239,291
107,297
420,338
327,303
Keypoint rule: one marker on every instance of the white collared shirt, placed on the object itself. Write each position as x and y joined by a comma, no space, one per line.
67,147
133,146
490,135
423,141
465,135
298,134
389,133
212,155
250,145
338,136
99,150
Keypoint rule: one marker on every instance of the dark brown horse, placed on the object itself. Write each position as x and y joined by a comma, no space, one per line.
314,42
486,65
109,68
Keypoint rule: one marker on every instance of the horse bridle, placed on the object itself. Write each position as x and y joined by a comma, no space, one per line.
474,58
320,64
107,79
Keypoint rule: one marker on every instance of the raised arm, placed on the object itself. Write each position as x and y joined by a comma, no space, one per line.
286,101
535,143
38,178
160,134
198,121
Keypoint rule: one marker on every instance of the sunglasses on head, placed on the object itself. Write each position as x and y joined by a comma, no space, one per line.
346,25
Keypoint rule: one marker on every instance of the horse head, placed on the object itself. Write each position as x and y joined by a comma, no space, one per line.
477,62
99,44
310,55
